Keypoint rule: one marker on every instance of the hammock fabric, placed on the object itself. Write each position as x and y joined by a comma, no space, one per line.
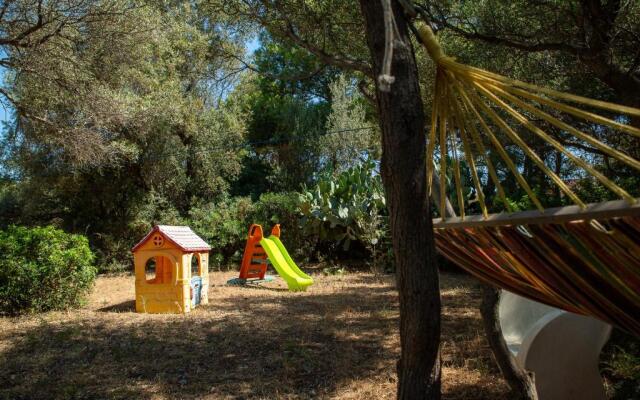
574,266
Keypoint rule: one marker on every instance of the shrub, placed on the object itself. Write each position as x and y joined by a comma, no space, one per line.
347,208
281,208
620,365
224,225
43,269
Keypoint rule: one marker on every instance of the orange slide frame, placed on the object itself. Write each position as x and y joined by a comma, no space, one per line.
254,260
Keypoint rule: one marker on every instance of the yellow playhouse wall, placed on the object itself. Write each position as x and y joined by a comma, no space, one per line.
170,296
204,257
204,273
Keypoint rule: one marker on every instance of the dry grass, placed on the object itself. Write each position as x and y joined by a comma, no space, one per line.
338,340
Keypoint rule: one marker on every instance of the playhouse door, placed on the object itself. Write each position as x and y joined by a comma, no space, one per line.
196,290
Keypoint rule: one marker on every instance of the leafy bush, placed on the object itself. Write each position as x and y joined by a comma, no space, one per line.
282,208
620,366
224,226
346,208
43,269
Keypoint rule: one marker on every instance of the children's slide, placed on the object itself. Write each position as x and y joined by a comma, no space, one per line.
284,265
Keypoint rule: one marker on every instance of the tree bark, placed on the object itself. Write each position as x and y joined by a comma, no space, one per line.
521,383
404,170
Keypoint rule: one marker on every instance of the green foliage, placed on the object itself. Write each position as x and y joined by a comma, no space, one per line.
9,202
43,269
552,27
285,129
347,141
291,70
625,364
334,26
121,125
257,176
136,116
287,103
345,207
521,204
592,191
620,365
225,224
281,208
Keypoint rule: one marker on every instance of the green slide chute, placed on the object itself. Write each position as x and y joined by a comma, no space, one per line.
284,265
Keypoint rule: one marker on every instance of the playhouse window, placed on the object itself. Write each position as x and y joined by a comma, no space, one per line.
158,270
195,265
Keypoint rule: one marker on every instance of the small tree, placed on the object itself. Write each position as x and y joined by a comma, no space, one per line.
347,141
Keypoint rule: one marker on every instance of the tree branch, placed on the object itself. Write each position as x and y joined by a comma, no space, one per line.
22,111
362,87
325,57
299,77
580,146
493,39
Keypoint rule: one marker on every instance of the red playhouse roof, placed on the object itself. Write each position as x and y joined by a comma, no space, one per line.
181,236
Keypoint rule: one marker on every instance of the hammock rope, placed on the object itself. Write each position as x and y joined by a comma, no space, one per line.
583,258
465,96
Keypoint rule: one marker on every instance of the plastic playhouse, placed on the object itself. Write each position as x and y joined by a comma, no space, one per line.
261,251
171,268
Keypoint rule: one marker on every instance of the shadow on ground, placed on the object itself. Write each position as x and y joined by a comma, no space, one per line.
125,306
298,347
245,344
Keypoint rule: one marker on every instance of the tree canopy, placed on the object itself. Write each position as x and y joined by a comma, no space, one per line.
125,114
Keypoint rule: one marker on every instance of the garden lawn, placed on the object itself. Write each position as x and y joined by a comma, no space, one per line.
338,340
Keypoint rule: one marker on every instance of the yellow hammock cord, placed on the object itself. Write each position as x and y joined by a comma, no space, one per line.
470,102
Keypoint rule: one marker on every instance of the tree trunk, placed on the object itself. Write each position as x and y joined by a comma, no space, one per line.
521,383
404,172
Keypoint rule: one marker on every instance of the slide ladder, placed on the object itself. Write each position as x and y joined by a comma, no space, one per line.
254,260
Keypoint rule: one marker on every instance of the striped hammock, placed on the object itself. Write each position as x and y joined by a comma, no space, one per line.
573,265
588,263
